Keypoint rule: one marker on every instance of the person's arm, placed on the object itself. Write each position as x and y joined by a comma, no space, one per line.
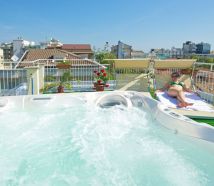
186,88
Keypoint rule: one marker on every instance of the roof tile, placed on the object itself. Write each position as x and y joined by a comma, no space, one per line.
76,47
35,54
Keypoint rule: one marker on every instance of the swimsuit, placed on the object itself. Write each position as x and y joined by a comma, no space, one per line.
176,83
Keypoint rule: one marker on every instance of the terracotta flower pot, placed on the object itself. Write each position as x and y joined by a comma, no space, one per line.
63,66
99,87
60,89
186,71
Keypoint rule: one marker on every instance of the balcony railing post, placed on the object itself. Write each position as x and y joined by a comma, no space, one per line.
41,76
33,80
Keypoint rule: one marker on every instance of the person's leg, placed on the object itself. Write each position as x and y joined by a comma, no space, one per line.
181,98
172,93
179,94
175,94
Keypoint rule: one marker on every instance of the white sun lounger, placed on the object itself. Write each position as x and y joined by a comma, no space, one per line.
199,109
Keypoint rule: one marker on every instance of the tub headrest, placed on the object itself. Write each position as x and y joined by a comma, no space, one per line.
111,100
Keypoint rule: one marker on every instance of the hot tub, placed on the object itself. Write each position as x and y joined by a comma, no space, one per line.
110,138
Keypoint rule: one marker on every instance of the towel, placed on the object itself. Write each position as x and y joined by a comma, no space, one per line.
198,103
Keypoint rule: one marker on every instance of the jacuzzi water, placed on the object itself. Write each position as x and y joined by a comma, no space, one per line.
81,144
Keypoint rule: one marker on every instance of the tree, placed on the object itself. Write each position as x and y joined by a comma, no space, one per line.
101,56
203,59
209,60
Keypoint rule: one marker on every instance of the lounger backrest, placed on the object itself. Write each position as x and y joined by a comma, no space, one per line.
177,64
131,63
164,68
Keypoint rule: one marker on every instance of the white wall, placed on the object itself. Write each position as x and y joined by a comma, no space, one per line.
1,55
17,46
1,59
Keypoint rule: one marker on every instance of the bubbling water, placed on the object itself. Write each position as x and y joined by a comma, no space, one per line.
86,145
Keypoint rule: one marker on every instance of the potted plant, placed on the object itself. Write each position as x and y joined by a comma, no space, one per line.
63,65
101,79
58,86
64,82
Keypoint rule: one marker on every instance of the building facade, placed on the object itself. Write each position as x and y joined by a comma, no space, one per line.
52,43
203,48
176,53
82,50
189,48
1,54
192,48
137,54
19,47
7,50
122,50
1,58
161,53
14,50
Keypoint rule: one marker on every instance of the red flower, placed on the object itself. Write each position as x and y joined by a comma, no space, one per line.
101,78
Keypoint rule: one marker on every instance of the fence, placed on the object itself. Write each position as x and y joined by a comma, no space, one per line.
131,79
13,82
7,65
199,76
80,77
77,76
204,78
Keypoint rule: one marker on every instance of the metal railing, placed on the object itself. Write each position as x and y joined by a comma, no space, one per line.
80,75
204,80
131,79
13,82
7,64
161,76
200,77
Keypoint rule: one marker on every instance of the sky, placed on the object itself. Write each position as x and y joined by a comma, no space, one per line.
143,24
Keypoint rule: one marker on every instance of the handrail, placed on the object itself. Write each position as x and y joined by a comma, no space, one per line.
55,60
207,64
21,59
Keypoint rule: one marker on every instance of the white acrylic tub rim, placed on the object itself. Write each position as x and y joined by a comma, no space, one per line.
179,123
165,116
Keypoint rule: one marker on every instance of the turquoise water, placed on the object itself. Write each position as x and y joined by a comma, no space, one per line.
84,145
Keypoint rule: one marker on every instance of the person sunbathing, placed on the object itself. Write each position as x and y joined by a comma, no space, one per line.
176,88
